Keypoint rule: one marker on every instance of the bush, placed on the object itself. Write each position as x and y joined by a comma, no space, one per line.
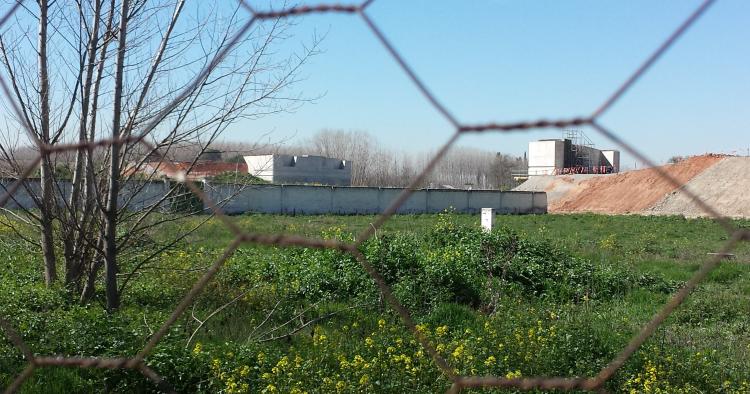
459,264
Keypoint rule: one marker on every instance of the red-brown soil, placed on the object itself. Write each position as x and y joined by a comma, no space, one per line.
632,191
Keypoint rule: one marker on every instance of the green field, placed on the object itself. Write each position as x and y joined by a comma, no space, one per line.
554,295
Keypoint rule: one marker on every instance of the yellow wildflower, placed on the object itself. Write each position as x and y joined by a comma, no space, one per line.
244,371
458,351
441,331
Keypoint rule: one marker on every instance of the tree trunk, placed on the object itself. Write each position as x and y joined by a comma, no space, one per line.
47,201
95,264
110,228
73,259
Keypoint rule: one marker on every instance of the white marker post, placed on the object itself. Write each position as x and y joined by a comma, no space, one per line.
488,219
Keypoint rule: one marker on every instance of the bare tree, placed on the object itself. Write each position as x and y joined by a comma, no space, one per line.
375,165
357,146
151,76
48,248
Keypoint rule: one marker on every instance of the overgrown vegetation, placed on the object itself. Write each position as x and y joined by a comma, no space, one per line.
541,295
239,178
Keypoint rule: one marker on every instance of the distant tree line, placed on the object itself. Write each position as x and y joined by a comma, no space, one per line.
373,164
376,165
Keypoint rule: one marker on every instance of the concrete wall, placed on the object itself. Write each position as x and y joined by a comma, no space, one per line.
612,158
359,199
260,166
24,195
545,156
302,199
136,195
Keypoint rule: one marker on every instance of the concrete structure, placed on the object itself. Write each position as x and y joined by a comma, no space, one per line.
545,156
488,219
562,156
137,195
613,158
304,199
304,169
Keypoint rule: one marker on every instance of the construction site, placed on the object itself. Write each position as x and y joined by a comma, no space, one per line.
574,153
721,181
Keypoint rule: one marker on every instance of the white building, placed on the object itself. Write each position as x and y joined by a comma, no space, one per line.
300,169
562,156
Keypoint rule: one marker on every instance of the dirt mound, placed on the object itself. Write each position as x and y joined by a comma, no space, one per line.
629,192
723,186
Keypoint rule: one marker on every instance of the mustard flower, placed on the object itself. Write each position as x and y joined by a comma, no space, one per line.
441,331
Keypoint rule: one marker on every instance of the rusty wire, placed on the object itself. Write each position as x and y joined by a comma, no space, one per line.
137,362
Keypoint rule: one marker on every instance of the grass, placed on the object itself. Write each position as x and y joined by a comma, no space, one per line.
503,328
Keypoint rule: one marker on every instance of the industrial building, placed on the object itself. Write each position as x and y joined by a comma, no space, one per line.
572,154
307,169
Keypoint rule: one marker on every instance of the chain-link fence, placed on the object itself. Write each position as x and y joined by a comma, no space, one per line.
137,362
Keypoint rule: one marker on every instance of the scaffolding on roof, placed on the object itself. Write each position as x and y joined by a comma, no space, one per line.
581,145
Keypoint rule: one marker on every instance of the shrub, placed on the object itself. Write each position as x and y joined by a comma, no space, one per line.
454,263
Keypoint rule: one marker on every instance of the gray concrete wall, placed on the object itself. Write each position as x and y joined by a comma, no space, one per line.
301,199
416,203
137,195
440,200
142,195
24,195
262,198
355,199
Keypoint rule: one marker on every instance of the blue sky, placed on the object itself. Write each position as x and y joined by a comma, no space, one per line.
522,60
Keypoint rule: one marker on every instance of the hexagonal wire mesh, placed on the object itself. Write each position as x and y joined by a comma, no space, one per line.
593,383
